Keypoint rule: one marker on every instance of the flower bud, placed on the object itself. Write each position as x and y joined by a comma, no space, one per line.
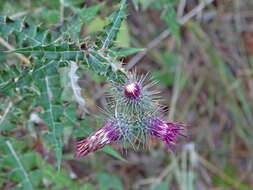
136,94
132,90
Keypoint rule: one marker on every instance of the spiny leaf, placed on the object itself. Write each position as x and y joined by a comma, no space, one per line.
112,29
26,183
120,52
72,27
104,65
60,52
49,100
113,153
61,180
25,78
18,165
9,75
87,14
99,61
26,34
170,17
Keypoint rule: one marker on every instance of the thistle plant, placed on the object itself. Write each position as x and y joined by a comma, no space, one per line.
47,78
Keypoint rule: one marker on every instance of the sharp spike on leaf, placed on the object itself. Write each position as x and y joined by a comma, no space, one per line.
112,29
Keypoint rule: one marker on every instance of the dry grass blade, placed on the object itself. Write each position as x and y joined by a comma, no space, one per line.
20,56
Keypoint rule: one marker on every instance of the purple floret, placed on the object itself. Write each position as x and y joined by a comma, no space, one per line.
105,135
132,90
166,132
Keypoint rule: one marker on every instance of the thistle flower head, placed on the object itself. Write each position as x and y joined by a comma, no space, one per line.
105,135
136,94
132,118
166,132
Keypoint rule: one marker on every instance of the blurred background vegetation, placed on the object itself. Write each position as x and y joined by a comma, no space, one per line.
200,52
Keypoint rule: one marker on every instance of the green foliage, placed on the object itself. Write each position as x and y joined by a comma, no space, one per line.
29,170
112,29
169,63
46,84
169,14
87,14
21,173
170,17
58,52
113,153
229,171
49,99
7,122
161,186
50,52
25,34
104,178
